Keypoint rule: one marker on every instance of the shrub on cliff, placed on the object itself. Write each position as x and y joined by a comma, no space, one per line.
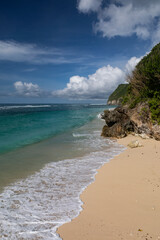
144,83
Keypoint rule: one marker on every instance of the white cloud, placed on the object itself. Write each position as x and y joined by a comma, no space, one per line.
31,53
156,35
29,70
131,64
96,86
27,89
89,5
128,17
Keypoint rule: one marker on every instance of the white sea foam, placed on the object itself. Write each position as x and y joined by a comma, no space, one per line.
80,135
98,104
99,116
23,106
35,207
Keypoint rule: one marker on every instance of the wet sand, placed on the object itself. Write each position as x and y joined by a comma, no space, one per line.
124,201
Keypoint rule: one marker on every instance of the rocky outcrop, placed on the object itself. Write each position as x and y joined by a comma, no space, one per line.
118,123
141,115
121,121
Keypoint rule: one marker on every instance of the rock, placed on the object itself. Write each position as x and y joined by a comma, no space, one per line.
157,136
113,102
115,131
156,130
118,123
134,144
143,136
141,115
121,121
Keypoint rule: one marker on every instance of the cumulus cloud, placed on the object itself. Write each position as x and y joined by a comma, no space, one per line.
131,64
95,86
98,85
31,53
156,35
89,5
127,17
27,89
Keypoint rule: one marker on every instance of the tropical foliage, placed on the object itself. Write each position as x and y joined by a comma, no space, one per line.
144,83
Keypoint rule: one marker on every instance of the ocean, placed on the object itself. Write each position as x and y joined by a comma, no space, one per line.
48,155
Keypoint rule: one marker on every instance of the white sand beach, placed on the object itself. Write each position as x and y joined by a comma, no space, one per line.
124,201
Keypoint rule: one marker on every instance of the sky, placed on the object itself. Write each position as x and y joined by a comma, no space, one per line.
58,51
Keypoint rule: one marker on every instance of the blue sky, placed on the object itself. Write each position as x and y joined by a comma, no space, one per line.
72,51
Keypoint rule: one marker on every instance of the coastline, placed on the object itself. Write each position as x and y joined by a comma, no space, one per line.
56,187
123,201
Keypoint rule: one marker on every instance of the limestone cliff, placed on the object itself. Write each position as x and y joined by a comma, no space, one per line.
117,96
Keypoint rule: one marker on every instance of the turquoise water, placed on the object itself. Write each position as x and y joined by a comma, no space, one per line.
34,135
49,155
21,125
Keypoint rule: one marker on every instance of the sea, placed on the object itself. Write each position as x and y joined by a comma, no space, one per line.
49,153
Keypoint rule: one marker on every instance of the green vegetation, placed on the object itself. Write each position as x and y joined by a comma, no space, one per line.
144,84
120,91
154,104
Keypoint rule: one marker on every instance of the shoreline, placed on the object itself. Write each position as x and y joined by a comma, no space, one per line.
123,201
56,187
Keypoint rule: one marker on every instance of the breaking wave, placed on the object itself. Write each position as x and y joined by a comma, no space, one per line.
35,207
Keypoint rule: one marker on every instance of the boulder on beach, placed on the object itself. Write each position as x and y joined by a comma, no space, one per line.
135,144
118,123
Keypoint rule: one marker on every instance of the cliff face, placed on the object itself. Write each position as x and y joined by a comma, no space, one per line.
121,121
114,102
141,112
117,96
144,84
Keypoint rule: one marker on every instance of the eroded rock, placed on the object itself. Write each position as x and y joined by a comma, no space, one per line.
118,123
121,121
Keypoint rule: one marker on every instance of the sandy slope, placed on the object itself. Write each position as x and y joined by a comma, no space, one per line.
124,201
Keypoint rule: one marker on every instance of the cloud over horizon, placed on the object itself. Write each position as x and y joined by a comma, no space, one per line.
126,17
96,86
27,89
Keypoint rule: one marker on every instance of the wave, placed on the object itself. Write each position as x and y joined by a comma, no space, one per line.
77,135
35,207
99,116
97,104
23,106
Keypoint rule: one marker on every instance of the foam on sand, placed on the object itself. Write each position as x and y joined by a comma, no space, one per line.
35,207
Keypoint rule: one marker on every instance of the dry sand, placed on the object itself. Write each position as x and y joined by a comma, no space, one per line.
124,201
